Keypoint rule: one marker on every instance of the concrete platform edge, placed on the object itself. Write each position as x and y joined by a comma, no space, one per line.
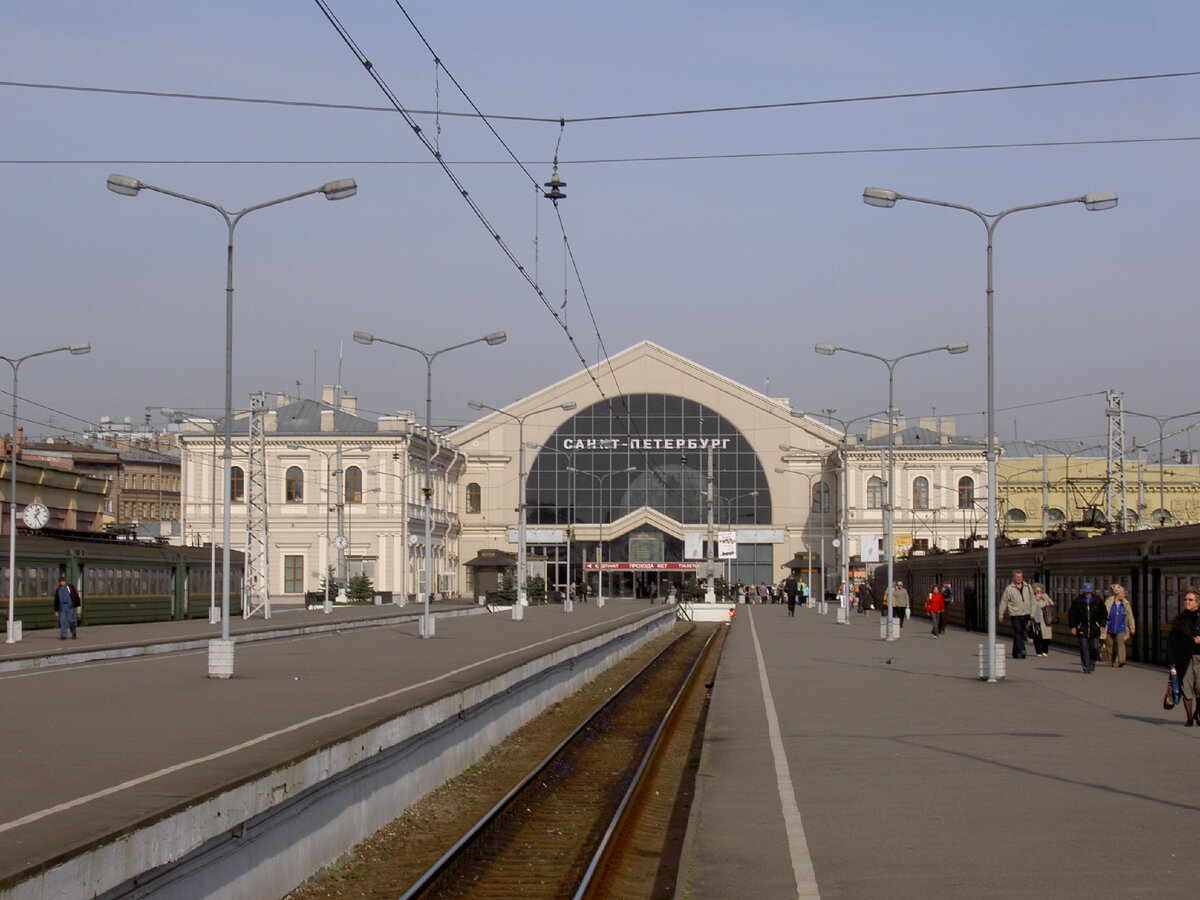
267,834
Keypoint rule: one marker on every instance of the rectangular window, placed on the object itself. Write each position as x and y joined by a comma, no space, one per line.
293,574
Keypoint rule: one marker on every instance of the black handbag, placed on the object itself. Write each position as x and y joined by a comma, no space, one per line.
1169,697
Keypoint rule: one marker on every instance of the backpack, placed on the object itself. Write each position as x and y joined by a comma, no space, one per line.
1050,614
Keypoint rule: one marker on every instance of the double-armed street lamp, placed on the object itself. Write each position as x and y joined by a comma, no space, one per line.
885,199
729,501
844,500
363,337
889,506
220,661
600,507
808,476
521,505
334,470
15,363
1162,423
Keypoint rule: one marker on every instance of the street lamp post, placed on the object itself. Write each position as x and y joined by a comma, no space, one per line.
333,471
570,506
521,505
808,476
1099,200
600,479
212,506
729,501
844,499
889,507
1162,424
220,659
15,363
496,337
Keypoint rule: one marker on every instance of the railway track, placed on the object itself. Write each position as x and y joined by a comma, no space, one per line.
599,802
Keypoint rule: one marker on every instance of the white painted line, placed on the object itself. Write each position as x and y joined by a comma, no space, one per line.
802,865
263,738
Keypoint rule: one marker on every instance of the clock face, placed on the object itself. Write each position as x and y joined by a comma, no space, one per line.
340,542
36,515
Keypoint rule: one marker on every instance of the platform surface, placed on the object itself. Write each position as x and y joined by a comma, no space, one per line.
840,765
94,746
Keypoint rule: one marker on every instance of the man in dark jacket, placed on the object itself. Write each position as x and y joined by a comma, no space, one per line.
66,601
1183,649
1087,618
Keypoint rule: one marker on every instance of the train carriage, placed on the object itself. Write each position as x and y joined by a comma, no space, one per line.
1155,567
120,581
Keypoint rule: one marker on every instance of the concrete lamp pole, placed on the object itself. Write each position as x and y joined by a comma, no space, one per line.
220,653
889,509
886,199
600,479
496,337
521,505
15,363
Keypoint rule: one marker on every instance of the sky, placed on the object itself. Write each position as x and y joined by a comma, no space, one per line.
737,238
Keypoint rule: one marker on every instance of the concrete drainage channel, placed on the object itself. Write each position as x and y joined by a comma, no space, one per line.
263,837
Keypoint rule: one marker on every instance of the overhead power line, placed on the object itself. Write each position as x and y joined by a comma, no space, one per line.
613,117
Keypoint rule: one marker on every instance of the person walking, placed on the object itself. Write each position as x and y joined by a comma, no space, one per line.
866,597
1183,650
948,596
1041,621
791,588
1017,601
900,601
66,601
936,607
1087,618
1120,626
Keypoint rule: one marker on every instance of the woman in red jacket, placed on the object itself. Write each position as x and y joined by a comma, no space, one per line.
936,607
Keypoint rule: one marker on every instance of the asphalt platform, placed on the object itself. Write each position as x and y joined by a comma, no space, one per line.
840,765
108,733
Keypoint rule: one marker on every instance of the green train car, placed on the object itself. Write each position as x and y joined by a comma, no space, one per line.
120,581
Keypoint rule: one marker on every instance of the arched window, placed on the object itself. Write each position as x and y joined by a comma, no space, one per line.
237,485
1159,517
1015,516
293,489
820,497
354,489
874,493
474,498
920,493
966,492
1054,514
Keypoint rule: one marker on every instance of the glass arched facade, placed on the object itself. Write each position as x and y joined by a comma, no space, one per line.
646,451
665,440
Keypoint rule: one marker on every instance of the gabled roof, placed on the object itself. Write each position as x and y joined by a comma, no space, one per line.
647,367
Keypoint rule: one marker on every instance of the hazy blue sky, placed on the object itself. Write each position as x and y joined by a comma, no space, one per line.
740,257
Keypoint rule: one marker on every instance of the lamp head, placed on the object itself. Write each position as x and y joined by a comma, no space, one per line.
80,349
825,349
362,337
1100,200
474,404
570,404
799,413
124,185
292,445
339,190
781,470
957,347
880,197
496,337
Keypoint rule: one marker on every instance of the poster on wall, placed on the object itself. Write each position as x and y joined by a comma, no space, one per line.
693,545
868,548
727,545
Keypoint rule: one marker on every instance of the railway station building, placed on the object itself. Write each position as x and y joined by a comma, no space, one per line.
648,465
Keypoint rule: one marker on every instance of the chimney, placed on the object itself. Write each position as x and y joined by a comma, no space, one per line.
327,392
350,404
